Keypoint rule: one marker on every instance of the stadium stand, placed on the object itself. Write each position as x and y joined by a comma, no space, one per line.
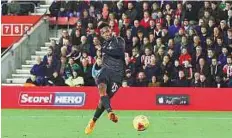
168,43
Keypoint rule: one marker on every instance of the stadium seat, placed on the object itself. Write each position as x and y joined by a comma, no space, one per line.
73,20
62,21
52,20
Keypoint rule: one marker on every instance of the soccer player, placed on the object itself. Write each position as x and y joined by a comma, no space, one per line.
110,76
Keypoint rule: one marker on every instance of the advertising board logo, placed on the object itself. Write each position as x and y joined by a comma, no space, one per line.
52,99
172,99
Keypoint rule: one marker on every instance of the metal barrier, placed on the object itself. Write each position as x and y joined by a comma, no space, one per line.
16,55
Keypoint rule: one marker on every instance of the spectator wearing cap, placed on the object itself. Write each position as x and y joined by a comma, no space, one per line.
181,81
154,82
129,78
186,25
222,57
141,80
131,12
172,30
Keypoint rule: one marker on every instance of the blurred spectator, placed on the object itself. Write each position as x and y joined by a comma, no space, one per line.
165,81
181,81
184,56
152,69
39,68
141,80
71,66
154,82
13,7
203,81
84,46
196,81
129,78
32,81
223,56
173,29
227,70
86,70
202,67
131,12
75,80
56,80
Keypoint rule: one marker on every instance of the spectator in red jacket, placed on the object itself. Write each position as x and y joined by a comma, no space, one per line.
145,22
184,56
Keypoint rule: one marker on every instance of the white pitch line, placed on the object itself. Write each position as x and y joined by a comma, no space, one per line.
150,117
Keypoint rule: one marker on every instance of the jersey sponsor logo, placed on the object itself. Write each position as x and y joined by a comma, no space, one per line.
52,99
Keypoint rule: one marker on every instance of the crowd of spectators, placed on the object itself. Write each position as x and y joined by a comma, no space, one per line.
18,7
168,43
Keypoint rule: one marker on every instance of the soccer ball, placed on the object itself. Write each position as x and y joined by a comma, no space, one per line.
140,123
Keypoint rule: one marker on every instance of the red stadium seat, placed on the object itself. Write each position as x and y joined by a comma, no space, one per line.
62,21
73,20
52,20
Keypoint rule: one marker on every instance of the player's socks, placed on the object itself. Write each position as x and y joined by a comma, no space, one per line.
98,113
106,103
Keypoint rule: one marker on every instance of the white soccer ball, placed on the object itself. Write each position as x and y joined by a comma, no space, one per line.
141,123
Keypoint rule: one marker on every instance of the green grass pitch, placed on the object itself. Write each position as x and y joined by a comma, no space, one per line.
71,124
